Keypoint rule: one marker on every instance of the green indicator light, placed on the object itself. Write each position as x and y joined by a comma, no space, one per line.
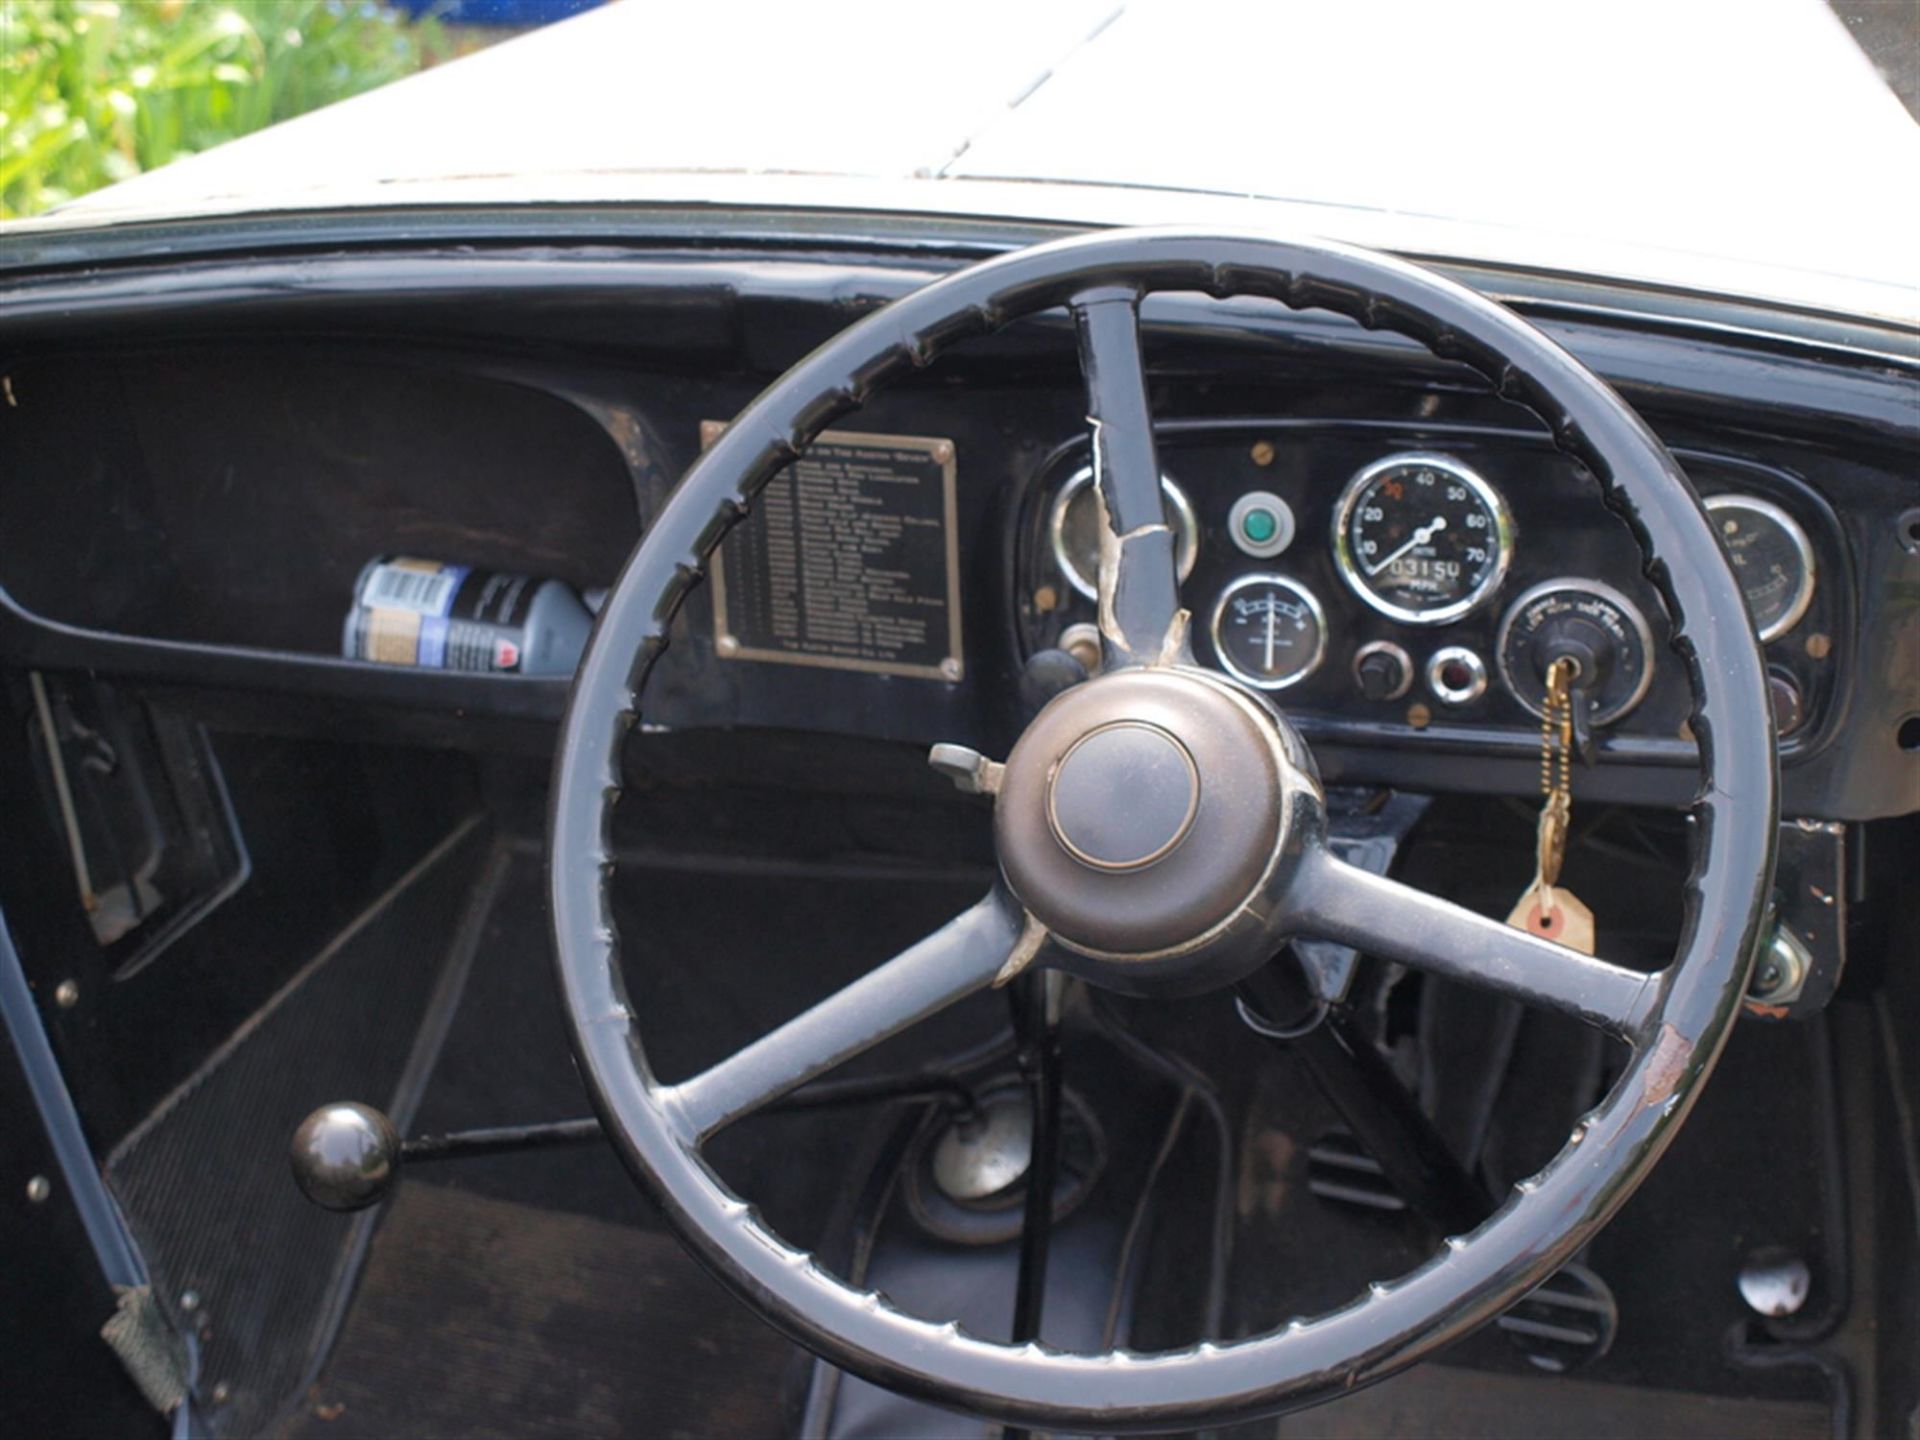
1259,526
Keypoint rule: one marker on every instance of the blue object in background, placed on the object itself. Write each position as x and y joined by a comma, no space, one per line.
495,12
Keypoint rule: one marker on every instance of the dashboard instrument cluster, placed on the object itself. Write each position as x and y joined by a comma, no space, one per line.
1427,579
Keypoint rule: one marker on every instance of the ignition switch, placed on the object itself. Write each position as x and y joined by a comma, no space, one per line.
1599,630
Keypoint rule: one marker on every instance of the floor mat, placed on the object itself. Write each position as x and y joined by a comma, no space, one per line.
1436,1402
204,1179
479,1317
714,962
505,1061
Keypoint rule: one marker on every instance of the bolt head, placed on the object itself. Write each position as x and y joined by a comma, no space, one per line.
39,1188
66,994
1780,970
1775,1282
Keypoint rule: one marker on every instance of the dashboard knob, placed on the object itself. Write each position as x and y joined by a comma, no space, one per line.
1382,670
1047,673
1789,704
1082,642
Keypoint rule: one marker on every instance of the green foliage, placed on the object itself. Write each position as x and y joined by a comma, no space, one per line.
93,91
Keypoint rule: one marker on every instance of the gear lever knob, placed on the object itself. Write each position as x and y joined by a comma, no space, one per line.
345,1156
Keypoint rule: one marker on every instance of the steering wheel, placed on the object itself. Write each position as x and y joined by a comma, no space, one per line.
1160,830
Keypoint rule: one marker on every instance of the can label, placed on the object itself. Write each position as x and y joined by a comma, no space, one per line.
442,617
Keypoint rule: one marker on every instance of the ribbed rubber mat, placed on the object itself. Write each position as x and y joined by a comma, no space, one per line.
482,1318
238,1253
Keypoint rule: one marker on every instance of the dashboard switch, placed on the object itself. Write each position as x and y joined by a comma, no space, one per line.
1382,670
1456,675
1591,624
1082,642
1261,524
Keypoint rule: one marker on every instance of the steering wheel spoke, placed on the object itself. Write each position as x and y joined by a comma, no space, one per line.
1141,621
1337,901
962,956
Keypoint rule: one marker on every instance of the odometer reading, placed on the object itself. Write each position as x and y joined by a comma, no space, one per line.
1422,538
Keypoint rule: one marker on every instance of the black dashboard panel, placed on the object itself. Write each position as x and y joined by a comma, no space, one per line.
230,494
1561,533
1560,529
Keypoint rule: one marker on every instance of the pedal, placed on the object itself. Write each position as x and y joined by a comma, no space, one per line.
1566,1321
1341,1172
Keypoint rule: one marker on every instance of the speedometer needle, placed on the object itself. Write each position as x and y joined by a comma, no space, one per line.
1420,537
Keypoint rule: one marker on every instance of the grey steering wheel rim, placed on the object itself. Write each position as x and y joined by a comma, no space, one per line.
1677,1035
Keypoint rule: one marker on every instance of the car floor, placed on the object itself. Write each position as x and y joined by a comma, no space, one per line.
539,1294
483,1317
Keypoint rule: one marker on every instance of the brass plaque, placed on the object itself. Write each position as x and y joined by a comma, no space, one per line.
850,559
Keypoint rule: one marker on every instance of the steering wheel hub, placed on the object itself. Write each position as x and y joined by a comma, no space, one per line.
1145,764
1141,819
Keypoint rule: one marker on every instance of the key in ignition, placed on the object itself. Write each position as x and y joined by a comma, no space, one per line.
1594,628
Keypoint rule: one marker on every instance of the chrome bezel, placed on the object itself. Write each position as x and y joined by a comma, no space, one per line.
1224,656
1803,547
1186,530
1348,566
1447,655
1592,587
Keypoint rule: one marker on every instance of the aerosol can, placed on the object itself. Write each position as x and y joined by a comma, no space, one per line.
409,611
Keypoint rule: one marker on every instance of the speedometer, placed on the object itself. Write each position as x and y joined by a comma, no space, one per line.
1422,538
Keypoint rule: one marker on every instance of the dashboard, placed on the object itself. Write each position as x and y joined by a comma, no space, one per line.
1368,574
193,493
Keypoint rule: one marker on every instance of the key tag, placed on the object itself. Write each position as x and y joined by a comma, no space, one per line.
1554,913
1545,909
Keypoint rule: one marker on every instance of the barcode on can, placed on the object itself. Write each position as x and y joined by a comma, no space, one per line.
410,587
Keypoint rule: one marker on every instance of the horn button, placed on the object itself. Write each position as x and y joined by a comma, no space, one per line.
1142,814
1147,766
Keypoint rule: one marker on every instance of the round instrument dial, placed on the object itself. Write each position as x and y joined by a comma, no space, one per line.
1422,538
1269,631
1601,630
1075,529
1772,560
